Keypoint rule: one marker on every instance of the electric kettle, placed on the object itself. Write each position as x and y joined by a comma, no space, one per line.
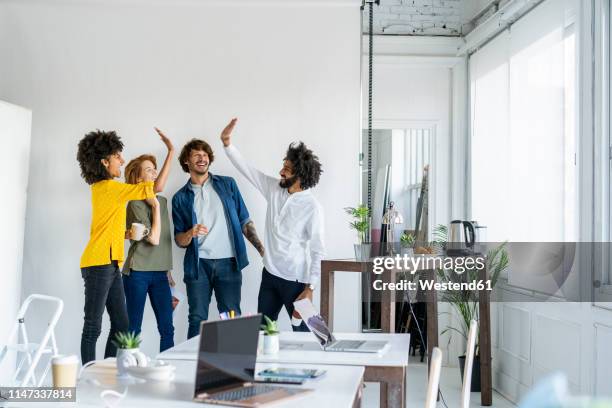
461,238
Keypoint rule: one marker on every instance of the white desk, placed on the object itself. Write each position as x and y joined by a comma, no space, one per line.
341,386
388,368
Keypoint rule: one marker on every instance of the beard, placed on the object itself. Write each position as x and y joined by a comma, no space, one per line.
200,170
288,182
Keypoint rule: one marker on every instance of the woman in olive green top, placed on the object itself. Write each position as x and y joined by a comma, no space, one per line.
148,266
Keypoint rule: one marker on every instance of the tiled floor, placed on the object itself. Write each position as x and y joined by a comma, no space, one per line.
450,385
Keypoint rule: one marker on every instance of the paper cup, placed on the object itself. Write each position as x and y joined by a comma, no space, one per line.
64,369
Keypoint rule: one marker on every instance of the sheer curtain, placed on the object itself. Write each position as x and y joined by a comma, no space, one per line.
523,140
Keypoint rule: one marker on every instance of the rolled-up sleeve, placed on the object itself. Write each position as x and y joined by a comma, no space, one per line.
178,219
241,208
137,212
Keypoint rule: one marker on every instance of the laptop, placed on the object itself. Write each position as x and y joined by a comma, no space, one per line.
225,373
326,338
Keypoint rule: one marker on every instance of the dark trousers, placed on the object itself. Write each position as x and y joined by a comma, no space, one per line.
103,289
139,284
274,293
219,275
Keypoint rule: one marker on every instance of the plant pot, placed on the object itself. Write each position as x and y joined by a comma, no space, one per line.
271,344
475,386
127,358
408,251
260,343
363,252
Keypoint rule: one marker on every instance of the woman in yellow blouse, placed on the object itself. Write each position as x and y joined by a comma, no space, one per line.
99,157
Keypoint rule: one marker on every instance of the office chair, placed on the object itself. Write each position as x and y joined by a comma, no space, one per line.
469,362
435,367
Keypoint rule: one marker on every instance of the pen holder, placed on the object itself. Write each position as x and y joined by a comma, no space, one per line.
271,344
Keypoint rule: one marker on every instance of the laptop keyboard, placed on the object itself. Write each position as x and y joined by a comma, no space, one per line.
347,344
249,392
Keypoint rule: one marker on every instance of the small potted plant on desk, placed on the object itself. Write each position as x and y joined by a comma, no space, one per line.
271,336
361,224
128,352
407,243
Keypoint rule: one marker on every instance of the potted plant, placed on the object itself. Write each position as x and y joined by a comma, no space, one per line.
465,303
361,224
128,352
271,336
407,243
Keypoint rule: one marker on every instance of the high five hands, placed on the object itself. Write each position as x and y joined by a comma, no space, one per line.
165,140
226,134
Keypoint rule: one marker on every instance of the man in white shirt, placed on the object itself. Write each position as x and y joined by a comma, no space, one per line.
294,228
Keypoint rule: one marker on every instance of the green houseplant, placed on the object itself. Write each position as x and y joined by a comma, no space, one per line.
271,336
126,340
464,302
407,243
361,224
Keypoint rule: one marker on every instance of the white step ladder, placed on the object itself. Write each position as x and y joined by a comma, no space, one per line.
31,353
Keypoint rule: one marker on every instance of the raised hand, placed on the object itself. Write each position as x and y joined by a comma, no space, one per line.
226,134
165,139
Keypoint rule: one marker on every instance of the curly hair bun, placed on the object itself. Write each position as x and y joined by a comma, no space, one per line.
94,147
306,164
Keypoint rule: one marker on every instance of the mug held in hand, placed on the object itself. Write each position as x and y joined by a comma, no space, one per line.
139,231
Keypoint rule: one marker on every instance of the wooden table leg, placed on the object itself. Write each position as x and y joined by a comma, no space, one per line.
327,296
396,390
484,343
387,309
432,316
384,395
392,382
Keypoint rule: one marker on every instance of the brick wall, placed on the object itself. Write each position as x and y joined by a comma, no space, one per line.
423,17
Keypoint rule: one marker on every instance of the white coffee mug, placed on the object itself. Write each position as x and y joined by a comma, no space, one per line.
138,231
64,369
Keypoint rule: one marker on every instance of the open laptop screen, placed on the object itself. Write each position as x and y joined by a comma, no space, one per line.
227,353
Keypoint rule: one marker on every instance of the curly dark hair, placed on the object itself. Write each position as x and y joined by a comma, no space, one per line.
195,144
306,164
94,147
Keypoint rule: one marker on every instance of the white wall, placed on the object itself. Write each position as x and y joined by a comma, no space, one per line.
187,68
15,126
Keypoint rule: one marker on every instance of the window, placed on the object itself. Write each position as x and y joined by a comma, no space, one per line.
523,138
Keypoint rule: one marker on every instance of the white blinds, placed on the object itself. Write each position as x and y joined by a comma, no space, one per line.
523,129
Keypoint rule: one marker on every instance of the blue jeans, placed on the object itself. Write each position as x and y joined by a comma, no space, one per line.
137,285
219,275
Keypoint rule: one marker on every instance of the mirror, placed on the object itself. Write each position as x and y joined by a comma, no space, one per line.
399,157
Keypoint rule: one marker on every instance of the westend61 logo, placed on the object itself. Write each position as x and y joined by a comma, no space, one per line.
405,263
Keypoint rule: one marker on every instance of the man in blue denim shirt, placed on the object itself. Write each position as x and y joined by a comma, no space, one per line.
210,219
